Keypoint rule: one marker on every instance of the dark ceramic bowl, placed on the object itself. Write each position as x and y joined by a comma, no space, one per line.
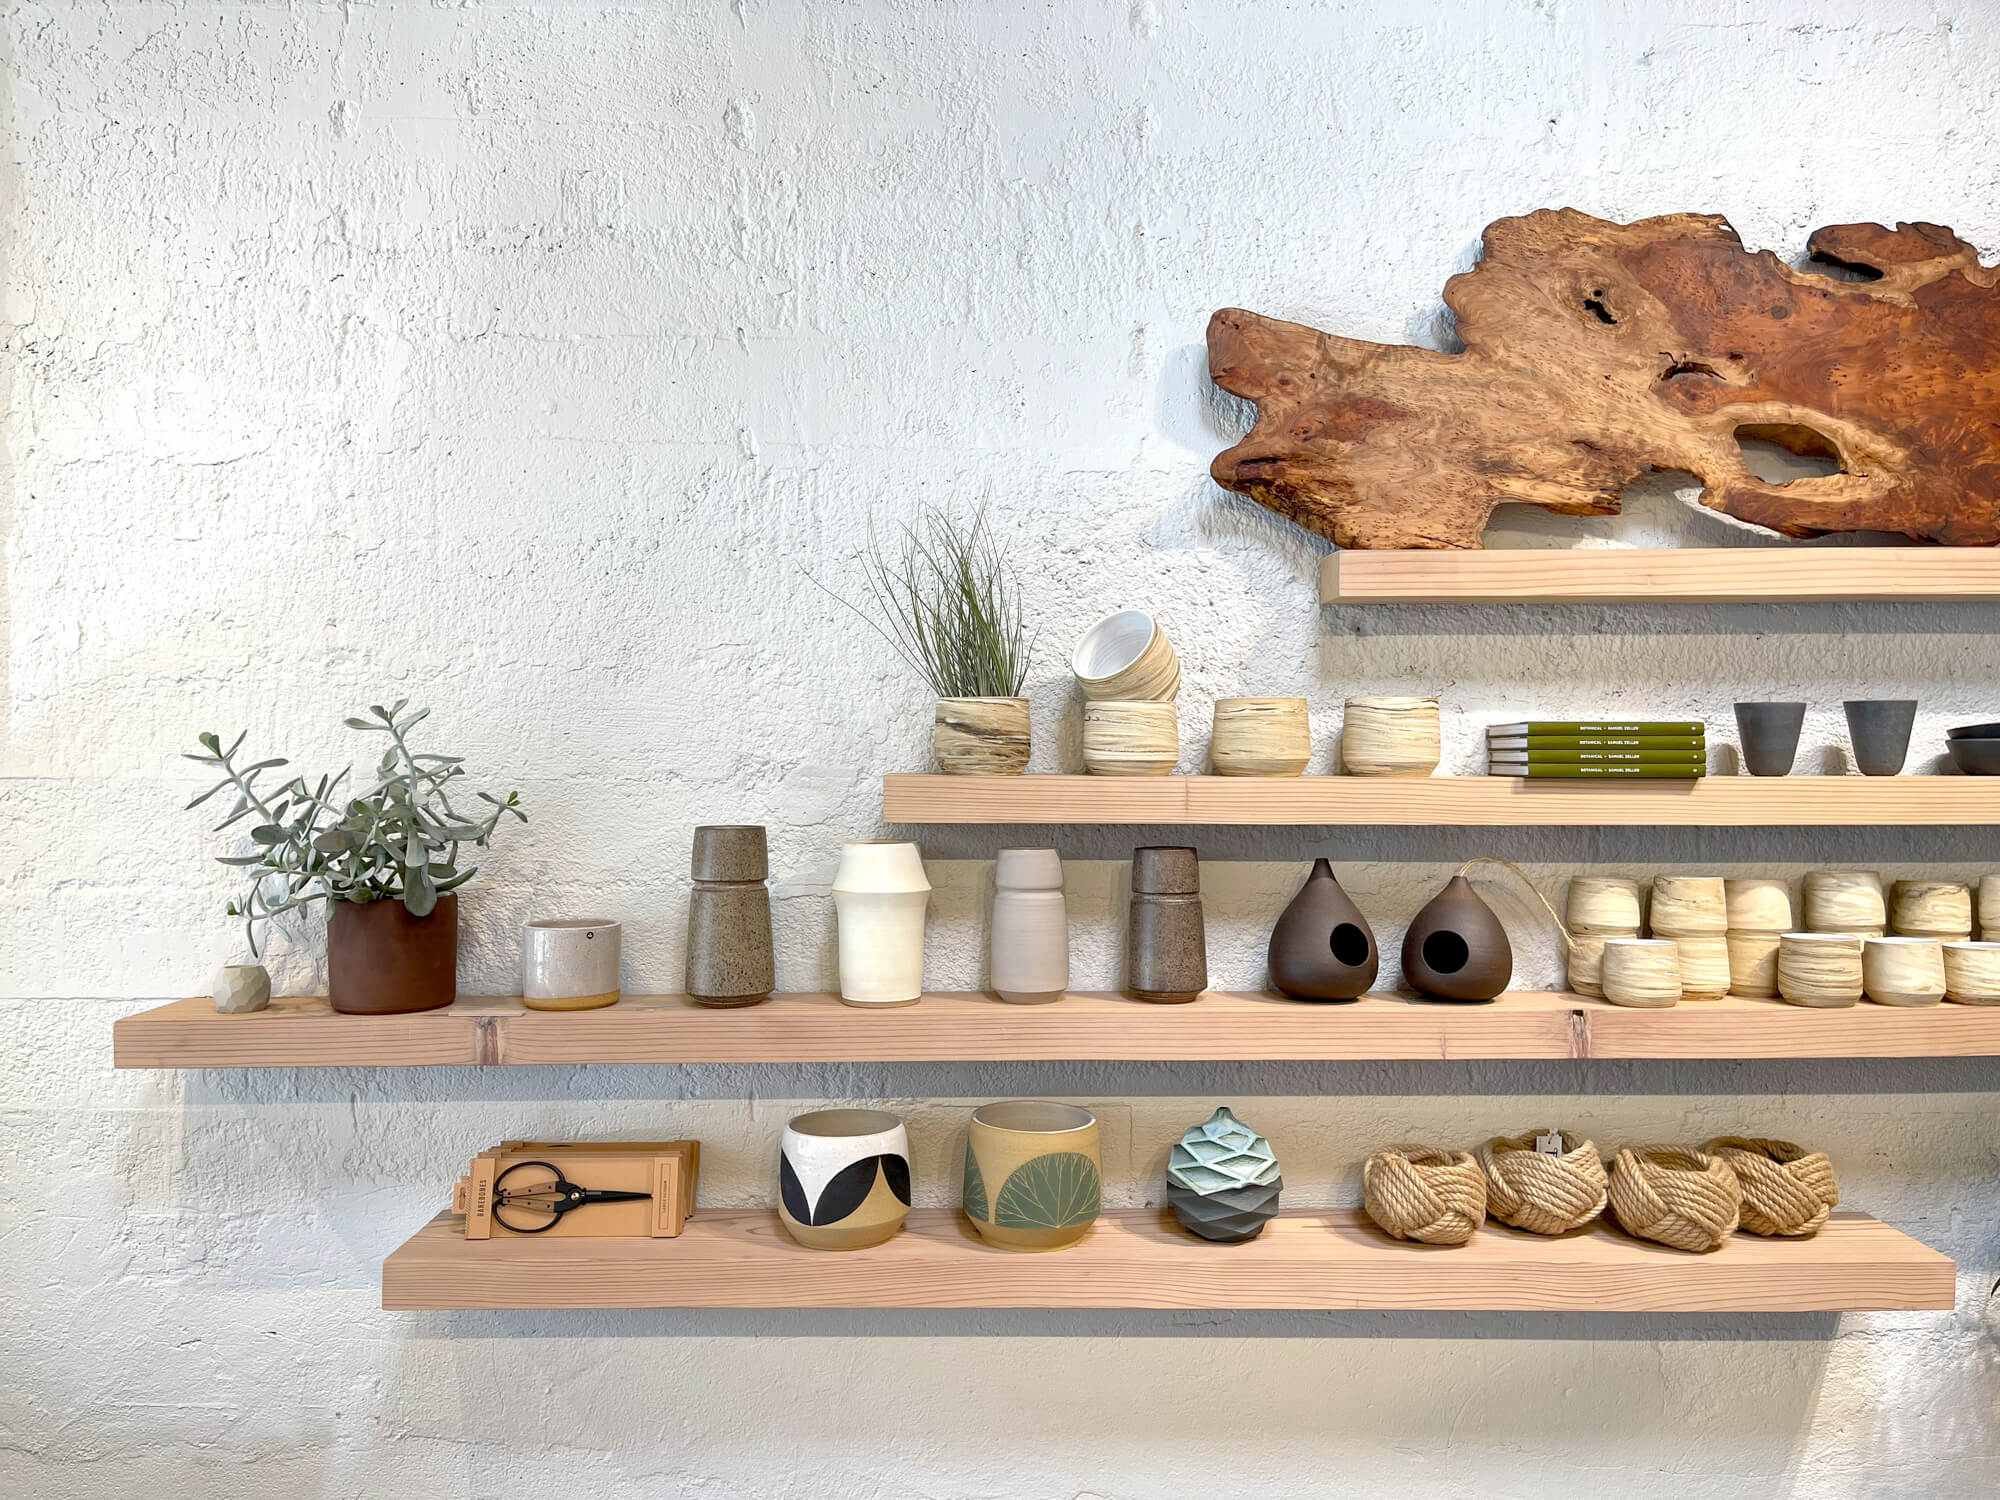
1974,732
1976,757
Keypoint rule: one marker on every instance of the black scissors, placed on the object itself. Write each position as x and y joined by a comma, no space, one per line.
555,1197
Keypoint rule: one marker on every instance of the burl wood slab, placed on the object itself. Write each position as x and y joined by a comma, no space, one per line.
1596,352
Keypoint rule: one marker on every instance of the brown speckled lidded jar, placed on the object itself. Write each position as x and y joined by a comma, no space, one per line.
729,959
1167,961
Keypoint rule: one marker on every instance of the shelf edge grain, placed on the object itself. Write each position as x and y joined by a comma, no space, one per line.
1688,575
1324,1259
1084,1026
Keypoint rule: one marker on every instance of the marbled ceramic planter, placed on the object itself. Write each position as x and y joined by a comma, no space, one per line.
980,736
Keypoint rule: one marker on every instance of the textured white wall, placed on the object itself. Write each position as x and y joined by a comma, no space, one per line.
522,359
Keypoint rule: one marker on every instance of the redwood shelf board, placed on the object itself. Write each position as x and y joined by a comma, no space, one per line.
1687,575
1445,801
1141,1258
1085,1025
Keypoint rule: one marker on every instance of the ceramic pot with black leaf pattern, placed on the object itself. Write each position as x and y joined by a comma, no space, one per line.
844,1178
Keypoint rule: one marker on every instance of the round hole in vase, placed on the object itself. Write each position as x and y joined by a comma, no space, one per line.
1349,944
1446,952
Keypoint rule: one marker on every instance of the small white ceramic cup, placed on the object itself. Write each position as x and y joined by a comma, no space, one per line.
569,964
1127,657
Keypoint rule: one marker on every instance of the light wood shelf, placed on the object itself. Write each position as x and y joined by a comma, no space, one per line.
1083,1026
1445,801
1141,1258
1689,575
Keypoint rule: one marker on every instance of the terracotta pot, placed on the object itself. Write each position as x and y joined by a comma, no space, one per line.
1456,949
381,961
1322,947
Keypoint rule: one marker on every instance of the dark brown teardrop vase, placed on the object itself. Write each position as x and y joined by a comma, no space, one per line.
1322,947
1456,948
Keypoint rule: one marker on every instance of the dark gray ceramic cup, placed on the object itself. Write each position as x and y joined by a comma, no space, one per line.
1770,736
1879,730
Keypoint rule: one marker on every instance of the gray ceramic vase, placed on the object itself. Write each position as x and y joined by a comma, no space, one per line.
1322,947
1769,735
1167,959
729,958
1879,730
1222,1180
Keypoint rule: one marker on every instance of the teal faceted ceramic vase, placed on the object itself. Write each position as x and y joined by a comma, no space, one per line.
1222,1180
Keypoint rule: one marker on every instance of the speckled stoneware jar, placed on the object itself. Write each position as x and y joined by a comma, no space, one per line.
1167,960
729,958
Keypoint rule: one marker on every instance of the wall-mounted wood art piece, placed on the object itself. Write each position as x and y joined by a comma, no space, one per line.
1597,352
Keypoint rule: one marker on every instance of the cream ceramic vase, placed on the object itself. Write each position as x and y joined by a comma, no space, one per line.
880,892
569,965
980,736
1031,1174
843,1178
1030,962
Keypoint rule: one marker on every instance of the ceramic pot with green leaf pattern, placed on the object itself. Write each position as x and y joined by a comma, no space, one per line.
1031,1174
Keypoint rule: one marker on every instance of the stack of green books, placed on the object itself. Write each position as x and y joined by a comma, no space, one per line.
1656,750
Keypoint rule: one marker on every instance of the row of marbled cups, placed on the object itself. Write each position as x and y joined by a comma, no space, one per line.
1713,936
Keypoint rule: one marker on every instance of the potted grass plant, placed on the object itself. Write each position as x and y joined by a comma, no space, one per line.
386,862
949,605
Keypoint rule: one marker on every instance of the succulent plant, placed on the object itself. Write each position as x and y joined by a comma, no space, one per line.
399,840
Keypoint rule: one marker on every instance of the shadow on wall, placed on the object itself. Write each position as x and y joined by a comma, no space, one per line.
254,1089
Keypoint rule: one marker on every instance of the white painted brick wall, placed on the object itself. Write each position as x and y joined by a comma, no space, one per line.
522,359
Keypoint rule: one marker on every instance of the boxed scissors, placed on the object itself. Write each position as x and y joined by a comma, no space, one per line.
582,1188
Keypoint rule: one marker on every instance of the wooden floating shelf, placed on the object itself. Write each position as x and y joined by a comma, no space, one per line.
1141,1258
1083,1026
1445,801
1687,575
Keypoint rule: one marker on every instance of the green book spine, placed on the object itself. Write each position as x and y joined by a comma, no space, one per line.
1595,773
1574,757
1597,742
1597,726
